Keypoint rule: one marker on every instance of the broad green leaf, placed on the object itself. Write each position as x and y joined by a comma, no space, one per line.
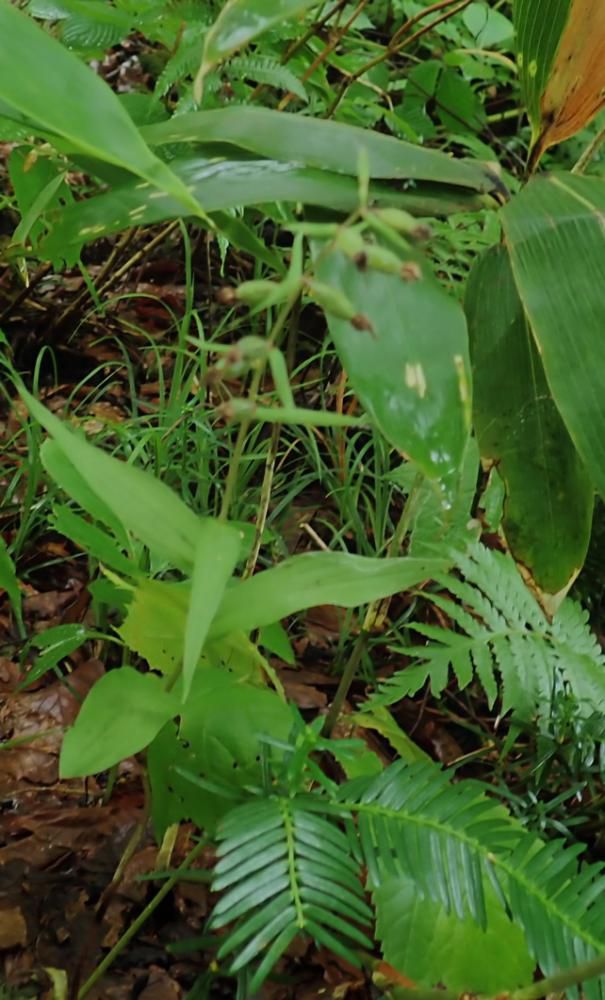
312,579
216,553
562,64
155,623
555,236
316,142
9,581
44,82
143,504
549,496
120,716
239,22
410,371
275,638
432,947
224,184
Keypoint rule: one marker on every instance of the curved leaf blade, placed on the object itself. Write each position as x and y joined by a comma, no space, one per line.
556,239
549,494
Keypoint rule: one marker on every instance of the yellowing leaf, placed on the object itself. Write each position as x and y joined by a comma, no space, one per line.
575,89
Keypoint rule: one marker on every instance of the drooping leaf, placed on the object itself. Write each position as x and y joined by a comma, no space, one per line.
55,644
410,370
121,715
239,22
561,291
222,184
549,494
312,579
326,145
48,85
562,55
433,947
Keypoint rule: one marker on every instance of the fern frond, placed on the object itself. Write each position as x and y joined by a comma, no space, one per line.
450,839
263,69
185,60
286,870
501,630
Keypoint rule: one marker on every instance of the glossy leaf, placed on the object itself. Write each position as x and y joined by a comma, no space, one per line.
223,184
312,579
549,494
239,22
555,235
55,644
143,504
433,947
120,716
410,371
326,145
216,553
45,83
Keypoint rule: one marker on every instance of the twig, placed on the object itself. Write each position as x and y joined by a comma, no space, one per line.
25,292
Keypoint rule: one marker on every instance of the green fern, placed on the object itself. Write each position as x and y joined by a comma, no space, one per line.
263,69
501,630
294,865
286,871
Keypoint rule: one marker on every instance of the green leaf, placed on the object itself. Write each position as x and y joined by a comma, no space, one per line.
239,22
224,184
120,716
56,643
93,540
9,582
538,35
41,80
326,145
312,579
561,291
433,947
411,369
549,496
216,554
275,638
144,505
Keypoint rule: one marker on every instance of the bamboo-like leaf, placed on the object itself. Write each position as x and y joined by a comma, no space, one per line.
549,494
323,144
221,184
562,61
555,235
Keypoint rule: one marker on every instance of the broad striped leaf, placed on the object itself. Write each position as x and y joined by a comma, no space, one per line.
554,230
549,494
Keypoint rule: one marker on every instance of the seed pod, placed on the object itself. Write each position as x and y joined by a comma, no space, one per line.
411,271
351,243
382,259
404,223
331,299
255,293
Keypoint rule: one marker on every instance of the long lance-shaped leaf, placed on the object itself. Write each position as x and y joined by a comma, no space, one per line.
561,46
46,84
549,494
556,238
223,184
323,144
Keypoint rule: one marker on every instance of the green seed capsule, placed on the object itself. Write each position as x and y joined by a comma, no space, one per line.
332,300
403,222
256,293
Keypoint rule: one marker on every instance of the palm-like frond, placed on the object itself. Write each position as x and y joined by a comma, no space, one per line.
286,870
501,630
449,838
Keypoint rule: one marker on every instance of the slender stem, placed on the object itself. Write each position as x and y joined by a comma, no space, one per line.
589,152
244,426
265,499
136,925
374,614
